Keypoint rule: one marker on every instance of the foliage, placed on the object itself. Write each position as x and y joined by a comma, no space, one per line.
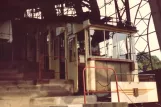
144,63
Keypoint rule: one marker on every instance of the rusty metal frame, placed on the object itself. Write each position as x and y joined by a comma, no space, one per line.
142,18
140,36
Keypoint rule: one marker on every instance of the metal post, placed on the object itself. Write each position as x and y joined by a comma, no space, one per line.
128,12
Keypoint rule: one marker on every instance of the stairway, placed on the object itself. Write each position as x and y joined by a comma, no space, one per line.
18,85
15,91
23,89
63,101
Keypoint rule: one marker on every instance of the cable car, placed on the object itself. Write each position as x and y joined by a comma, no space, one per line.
101,60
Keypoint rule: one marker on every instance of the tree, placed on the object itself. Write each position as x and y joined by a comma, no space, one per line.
144,62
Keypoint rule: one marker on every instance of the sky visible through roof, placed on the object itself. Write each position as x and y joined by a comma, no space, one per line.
144,12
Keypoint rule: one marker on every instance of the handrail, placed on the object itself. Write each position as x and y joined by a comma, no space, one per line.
117,90
41,64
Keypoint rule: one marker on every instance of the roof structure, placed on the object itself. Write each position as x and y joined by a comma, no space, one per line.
60,10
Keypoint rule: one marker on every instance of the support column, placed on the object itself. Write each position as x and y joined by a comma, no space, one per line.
49,48
155,6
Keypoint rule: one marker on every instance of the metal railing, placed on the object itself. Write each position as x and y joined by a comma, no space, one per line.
87,92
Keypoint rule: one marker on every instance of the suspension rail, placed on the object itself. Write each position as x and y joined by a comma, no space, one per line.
87,92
